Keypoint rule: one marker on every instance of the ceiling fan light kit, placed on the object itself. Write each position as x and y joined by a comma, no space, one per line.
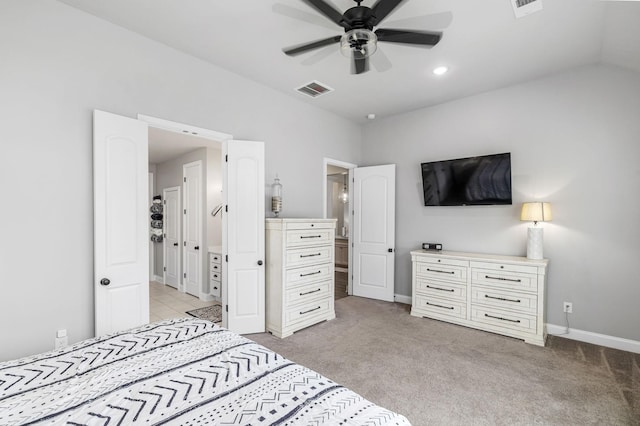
360,41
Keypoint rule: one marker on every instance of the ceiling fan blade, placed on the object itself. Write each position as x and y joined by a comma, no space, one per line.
380,61
359,65
424,38
296,50
382,8
319,55
311,18
433,21
329,11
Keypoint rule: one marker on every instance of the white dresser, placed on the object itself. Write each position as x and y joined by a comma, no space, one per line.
500,294
300,273
215,271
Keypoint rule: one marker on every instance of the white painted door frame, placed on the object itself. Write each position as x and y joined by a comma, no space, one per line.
326,162
171,239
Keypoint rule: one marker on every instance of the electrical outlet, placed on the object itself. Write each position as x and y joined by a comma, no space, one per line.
62,339
567,307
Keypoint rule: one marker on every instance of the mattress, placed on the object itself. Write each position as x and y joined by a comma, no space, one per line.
184,371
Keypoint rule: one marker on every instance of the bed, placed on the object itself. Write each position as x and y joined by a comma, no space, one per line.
184,371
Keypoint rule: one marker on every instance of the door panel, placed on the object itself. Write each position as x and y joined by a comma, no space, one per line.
243,221
374,231
192,208
172,240
121,228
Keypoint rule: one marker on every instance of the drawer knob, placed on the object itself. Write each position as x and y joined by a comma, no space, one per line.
259,262
105,281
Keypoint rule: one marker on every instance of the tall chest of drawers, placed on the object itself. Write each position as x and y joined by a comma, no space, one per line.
299,274
500,294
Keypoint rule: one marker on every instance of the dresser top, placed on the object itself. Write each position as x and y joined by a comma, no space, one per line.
445,254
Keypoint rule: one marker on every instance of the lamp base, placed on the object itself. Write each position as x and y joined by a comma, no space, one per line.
534,243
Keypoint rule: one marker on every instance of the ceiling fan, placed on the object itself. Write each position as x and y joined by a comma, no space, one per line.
359,40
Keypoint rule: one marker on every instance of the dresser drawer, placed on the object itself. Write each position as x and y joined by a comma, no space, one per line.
506,279
215,268
504,319
511,300
215,258
433,305
526,269
442,271
309,256
307,313
312,225
307,274
307,293
441,289
215,276
306,237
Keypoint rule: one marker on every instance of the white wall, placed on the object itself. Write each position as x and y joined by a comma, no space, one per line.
574,141
58,64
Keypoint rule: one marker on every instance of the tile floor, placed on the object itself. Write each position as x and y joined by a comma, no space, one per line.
166,302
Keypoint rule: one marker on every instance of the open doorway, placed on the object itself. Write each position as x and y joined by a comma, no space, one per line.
337,203
185,224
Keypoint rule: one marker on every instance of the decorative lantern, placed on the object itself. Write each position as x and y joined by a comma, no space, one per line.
276,196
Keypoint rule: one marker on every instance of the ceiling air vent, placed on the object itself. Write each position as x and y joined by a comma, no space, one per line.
523,8
314,89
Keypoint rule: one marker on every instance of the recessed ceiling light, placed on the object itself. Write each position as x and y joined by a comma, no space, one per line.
440,70
371,116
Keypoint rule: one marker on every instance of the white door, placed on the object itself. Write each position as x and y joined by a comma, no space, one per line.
374,231
172,240
243,288
192,213
121,222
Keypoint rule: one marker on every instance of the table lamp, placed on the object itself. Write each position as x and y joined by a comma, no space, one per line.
535,212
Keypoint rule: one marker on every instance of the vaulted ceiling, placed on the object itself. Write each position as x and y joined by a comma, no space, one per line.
484,45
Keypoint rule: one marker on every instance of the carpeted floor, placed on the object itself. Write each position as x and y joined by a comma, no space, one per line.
437,373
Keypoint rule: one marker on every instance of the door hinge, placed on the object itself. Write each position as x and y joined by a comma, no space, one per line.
164,268
164,202
226,208
226,308
184,275
226,257
226,158
185,211
184,178
184,243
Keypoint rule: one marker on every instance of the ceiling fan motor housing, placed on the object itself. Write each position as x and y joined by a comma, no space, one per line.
360,17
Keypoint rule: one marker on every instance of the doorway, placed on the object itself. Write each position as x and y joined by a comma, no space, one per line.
337,202
188,183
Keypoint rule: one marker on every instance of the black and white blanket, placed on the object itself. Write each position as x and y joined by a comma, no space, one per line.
185,372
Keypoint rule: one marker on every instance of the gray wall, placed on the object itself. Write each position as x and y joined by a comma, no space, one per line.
574,140
58,64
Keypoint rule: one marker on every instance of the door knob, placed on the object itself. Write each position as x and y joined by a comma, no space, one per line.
390,250
196,248
175,244
259,262
105,281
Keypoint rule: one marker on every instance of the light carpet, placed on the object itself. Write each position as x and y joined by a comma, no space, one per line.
437,373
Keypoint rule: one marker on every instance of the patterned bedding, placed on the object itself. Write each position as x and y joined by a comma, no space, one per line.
184,372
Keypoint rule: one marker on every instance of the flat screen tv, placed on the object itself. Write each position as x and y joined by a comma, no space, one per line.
484,180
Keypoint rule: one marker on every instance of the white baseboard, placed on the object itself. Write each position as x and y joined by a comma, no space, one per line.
401,298
158,278
595,338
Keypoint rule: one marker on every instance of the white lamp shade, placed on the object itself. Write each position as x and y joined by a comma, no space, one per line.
536,212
